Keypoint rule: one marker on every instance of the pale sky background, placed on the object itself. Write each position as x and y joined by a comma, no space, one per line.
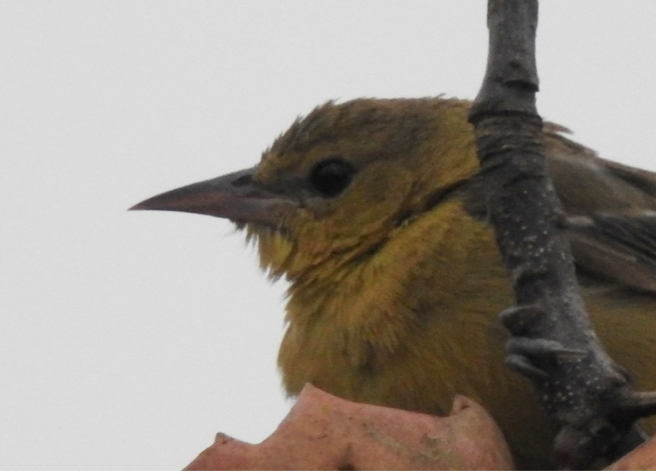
130,338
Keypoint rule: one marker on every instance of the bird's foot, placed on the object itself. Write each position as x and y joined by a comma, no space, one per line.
527,355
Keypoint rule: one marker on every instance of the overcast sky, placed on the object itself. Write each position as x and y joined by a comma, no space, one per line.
130,338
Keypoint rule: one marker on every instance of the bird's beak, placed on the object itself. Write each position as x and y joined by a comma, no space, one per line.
234,196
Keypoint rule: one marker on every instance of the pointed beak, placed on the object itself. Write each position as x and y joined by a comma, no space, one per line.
234,196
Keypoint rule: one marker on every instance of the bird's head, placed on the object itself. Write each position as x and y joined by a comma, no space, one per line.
339,182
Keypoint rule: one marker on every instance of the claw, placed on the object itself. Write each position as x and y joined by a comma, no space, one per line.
541,348
526,354
519,319
524,366
637,405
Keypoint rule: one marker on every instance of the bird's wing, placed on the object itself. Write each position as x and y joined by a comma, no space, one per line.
617,247
612,211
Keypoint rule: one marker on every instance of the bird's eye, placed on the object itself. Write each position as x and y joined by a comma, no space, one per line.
331,176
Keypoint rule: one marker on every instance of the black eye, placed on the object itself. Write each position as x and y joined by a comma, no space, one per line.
331,176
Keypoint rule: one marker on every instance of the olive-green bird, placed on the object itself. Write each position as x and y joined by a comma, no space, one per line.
373,211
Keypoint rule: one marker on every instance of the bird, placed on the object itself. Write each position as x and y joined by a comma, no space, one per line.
374,212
